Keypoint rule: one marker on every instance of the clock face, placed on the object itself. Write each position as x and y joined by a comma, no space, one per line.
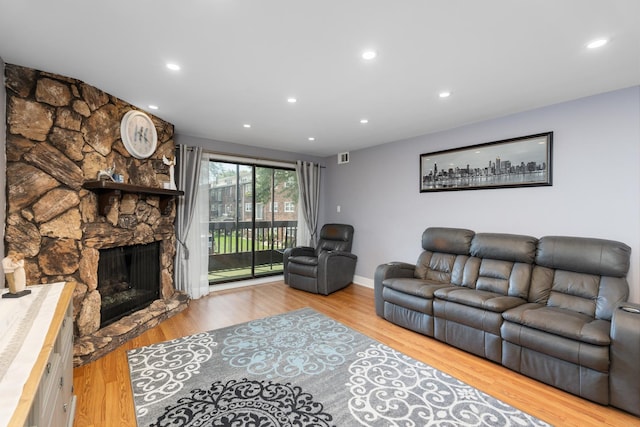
138,134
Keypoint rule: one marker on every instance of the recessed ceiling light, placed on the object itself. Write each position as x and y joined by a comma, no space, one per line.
311,138
369,54
444,94
173,67
246,125
153,107
364,121
597,43
292,100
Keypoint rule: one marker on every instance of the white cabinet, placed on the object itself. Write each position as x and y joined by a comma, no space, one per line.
54,403
46,392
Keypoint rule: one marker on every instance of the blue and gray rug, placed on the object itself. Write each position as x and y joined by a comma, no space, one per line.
301,369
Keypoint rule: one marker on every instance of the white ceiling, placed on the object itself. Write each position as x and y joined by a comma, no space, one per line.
242,59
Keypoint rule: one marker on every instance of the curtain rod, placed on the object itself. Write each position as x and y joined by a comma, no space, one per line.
253,158
249,158
265,159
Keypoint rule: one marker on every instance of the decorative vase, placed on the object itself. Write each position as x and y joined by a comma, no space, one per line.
19,278
13,266
171,185
11,282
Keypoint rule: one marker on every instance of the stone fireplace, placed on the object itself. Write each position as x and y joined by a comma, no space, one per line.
60,133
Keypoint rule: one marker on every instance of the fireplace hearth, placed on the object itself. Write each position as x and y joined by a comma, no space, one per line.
128,280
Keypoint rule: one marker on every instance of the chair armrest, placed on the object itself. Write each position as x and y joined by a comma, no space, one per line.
624,387
302,251
385,271
330,254
335,270
296,251
331,257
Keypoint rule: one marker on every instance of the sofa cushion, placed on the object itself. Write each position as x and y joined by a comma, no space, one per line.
418,287
504,277
480,299
440,267
493,276
501,263
303,266
435,266
582,274
574,291
446,251
562,322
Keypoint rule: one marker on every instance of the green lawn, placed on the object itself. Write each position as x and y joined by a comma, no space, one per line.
233,273
228,245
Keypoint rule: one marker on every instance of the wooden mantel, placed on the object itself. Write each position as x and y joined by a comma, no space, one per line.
108,192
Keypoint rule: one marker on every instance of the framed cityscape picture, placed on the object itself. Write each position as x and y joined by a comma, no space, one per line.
516,162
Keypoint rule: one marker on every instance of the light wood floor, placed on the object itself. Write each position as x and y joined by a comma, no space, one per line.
104,393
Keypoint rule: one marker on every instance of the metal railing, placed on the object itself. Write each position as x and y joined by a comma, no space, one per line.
228,237
231,244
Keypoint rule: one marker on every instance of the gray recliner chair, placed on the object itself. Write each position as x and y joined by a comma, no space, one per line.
327,268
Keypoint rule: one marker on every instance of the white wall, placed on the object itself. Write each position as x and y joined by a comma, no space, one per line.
595,192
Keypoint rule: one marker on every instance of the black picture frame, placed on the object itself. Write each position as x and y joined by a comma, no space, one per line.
525,161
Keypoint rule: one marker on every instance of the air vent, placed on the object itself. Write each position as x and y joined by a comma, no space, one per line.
343,158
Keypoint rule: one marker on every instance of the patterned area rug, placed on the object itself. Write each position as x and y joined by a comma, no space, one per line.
300,369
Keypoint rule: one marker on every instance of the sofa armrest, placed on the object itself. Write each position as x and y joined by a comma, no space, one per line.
624,386
385,271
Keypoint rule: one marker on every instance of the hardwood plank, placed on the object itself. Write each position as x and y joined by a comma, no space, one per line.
104,393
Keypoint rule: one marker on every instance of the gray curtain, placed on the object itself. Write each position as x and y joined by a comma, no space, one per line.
309,185
188,175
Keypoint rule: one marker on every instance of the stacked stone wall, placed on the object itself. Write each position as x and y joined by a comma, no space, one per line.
60,133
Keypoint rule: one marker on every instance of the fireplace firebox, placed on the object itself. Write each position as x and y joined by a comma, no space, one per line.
128,280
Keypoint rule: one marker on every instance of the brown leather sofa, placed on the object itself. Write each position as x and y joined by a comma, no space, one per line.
552,308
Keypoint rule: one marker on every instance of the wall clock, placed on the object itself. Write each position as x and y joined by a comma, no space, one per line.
138,134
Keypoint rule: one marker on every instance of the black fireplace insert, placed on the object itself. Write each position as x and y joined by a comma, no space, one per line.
128,280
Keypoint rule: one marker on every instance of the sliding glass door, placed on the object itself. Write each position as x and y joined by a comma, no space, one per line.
252,219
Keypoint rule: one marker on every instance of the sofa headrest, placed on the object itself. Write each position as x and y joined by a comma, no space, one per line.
506,247
448,240
584,255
